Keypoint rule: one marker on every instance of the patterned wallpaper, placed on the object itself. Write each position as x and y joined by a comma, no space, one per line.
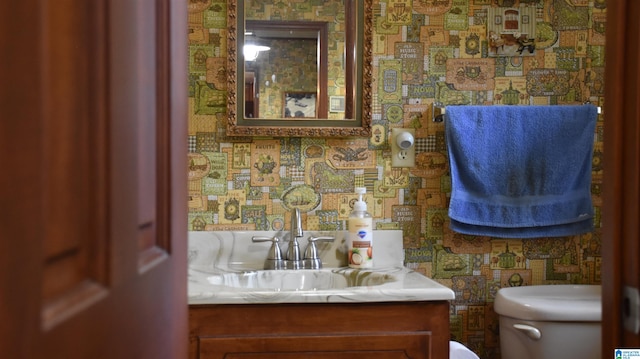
443,52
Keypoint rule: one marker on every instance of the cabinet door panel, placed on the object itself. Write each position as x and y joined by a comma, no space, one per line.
395,345
321,355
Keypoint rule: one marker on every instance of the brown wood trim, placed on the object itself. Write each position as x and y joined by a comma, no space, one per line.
100,103
155,230
153,254
163,140
388,345
620,209
74,158
74,301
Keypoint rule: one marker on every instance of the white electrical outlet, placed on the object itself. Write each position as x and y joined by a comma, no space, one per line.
403,149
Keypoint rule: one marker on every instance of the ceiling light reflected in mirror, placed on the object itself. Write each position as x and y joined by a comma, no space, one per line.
251,51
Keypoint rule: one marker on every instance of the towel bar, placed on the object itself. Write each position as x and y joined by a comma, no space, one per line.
440,116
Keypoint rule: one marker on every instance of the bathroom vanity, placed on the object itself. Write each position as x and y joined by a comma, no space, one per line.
239,310
320,330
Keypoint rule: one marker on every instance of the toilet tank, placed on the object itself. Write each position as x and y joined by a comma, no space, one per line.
550,321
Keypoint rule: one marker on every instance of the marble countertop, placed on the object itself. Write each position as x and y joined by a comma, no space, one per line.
226,268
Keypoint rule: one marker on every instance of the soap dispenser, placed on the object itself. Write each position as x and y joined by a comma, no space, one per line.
360,230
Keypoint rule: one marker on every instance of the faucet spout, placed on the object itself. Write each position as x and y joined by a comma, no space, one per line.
294,258
296,224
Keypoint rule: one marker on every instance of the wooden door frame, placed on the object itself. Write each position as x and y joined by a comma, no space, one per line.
620,210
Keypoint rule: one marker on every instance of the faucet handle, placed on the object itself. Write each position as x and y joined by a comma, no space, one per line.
311,252
311,257
274,251
274,256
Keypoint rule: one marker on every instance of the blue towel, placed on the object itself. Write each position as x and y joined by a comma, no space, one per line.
521,171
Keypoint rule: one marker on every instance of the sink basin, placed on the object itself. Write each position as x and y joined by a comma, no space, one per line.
317,286
226,268
294,280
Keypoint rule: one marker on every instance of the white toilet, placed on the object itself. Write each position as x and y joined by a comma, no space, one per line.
550,321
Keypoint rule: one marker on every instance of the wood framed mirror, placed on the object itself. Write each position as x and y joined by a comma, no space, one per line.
327,58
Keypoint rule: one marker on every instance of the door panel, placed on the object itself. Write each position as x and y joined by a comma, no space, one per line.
93,190
380,346
75,272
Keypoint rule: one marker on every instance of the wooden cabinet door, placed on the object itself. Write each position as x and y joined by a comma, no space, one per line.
415,345
320,330
92,182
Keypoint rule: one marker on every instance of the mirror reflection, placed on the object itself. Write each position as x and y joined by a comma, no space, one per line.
300,69
285,68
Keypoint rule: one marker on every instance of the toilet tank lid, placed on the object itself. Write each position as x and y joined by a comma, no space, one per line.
582,303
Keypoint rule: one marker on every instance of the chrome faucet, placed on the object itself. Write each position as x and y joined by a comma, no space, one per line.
293,259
